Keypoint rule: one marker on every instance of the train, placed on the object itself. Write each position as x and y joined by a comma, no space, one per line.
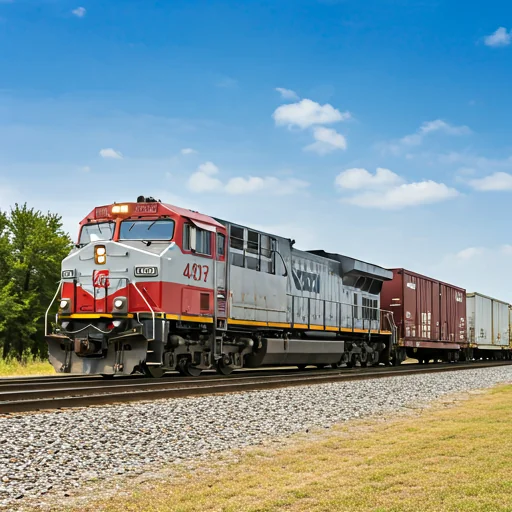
151,287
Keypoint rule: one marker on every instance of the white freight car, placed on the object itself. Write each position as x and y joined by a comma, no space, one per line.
488,322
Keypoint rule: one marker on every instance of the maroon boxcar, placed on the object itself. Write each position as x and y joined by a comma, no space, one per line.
430,316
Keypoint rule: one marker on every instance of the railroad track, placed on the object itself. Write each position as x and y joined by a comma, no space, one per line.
37,394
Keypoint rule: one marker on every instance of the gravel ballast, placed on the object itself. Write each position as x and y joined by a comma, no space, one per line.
55,452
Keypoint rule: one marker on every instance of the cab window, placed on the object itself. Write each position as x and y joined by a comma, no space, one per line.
96,231
147,230
221,245
203,240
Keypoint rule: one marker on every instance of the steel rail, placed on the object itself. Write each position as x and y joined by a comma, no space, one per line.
129,392
94,381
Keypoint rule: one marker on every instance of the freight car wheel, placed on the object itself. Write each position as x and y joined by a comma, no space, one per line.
302,367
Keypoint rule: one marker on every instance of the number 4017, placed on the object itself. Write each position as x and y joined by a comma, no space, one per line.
196,272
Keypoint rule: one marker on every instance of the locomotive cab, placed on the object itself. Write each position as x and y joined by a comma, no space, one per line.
135,269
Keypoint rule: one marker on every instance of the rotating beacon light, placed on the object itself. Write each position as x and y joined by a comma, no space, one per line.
100,255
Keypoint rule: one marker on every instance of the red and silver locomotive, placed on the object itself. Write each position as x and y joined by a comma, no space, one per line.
151,287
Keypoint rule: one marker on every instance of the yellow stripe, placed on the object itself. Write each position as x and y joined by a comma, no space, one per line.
316,327
202,319
190,318
329,328
95,315
278,324
91,315
246,322
300,326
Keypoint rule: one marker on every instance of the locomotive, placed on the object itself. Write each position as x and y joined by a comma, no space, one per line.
151,287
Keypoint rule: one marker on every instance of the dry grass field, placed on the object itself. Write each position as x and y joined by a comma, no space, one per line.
447,458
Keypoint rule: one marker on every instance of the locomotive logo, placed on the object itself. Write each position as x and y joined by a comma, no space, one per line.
100,279
306,281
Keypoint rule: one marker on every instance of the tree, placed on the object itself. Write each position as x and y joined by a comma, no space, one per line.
32,246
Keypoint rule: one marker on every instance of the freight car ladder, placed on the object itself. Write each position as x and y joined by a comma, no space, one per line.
393,342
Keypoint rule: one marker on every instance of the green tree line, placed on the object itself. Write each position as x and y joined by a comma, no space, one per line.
32,246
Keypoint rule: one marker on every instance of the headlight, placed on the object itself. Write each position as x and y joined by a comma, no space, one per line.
120,208
118,303
100,255
64,304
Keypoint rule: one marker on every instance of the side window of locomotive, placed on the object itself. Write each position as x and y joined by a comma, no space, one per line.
268,246
221,246
252,255
186,237
203,240
237,246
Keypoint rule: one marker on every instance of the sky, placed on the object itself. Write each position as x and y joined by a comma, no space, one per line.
378,129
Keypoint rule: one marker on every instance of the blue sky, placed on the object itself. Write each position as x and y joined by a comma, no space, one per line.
378,129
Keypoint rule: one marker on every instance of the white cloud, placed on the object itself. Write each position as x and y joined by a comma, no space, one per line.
79,12
428,127
237,186
506,249
226,82
86,168
469,252
287,94
496,181
208,168
110,153
386,190
204,180
306,113
437,125
188,151
501,37
356,179
327,140
409,194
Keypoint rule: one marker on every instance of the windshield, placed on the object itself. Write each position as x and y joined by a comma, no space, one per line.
95,232
147,230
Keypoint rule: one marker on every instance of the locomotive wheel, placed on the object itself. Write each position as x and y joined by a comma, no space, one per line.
187,370
223,368
157,372
107,376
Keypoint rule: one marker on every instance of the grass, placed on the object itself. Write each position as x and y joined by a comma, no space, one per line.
13,367
443,459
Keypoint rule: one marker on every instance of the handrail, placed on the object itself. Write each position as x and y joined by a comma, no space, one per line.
381,312
49,307
149,306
